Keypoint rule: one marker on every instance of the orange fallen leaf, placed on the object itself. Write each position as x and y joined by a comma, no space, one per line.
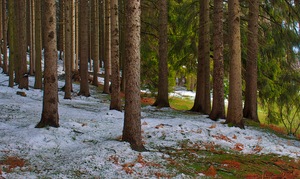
221,137
159,126
213,126
211,171
234,136
257,148
238,147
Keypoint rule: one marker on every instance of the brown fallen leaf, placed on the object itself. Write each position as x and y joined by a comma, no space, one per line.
238,147
211,172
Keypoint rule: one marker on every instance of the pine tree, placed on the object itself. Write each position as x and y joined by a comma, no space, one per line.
50,115
235,105
132,120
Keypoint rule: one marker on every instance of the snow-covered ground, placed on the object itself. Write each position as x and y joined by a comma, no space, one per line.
87,145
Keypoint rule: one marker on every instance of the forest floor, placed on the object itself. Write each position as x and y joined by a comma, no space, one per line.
180,144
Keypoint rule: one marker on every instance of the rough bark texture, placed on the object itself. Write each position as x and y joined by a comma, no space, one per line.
11,21
31,39
4,20
77,34
250,108
235,106
50,101
84,47
162,99
202,100
1,30
61,28
22,45
107,60
95,40
115,103
218,108
38,45
132,120
68,49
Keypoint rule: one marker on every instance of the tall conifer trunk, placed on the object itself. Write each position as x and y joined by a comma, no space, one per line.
68,49
162,99
202,99
132,121
115,76
38,45
50,100
22,45
235,105
107,60
84,46
218,109
95,40
250,108
4,17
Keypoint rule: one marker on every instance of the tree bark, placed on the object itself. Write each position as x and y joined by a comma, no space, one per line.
162,99
50,115
235,105
202,100
218,109
250,107
132,121
22,45
31,36
4,20
84,47
38,45
95,40
11,21
68,49
107,60
115,103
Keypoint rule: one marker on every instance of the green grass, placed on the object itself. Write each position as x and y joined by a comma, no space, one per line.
229,164
181,103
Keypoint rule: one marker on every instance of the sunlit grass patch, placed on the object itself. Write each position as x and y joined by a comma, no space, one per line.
216,162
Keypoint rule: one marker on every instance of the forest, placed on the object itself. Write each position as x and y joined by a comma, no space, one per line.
149,89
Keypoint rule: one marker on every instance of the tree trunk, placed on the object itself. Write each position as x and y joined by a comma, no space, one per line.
84,47
50,101
61,31
68,49
31,36
22,45
115,103
4,20
38,44
122,43
235,105
162,99
95,40
1,31
218,109
202,100
132,121
77,34
11,21
107,60
250,108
